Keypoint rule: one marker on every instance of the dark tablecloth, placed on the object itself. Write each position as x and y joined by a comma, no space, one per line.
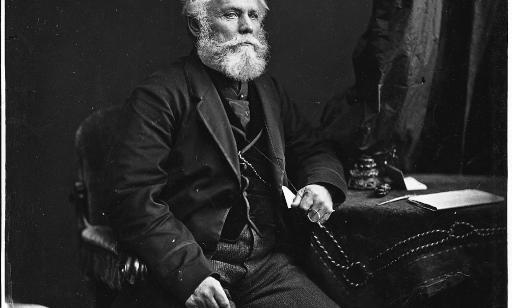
401,255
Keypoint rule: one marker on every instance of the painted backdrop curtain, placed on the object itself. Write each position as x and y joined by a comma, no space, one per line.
431,81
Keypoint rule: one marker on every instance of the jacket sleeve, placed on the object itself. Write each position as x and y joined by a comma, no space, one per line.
310,157
138,163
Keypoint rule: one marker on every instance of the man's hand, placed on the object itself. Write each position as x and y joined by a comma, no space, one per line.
208,294
316,201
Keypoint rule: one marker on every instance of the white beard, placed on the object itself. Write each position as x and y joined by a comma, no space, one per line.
232,58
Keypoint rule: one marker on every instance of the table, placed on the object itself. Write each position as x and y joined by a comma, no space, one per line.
401,255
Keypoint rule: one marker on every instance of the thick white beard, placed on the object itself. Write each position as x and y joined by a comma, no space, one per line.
238,62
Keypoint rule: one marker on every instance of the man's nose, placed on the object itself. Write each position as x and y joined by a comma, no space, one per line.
246,25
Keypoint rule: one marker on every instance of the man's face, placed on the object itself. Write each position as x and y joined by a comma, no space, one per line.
232,39
229,18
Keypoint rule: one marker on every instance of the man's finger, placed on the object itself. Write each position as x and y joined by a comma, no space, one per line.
318,206
192,302
221,298
205,294
210,301
325,217
298,198
322,207
307,200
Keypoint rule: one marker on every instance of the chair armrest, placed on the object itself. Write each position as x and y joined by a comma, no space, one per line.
102,260
101,236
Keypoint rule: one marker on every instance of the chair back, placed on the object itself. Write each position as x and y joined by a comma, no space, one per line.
101,259
93,141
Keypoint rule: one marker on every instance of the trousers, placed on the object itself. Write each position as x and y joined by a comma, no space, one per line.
256,275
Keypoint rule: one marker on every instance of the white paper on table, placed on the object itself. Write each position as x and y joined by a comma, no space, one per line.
455,199
413,184
288,196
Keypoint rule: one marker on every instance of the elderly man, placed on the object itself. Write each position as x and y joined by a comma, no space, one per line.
199,166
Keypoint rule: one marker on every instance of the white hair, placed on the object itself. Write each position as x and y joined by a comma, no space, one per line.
195,8
198,8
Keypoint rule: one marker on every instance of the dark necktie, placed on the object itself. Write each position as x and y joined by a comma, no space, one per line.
241,110
240,105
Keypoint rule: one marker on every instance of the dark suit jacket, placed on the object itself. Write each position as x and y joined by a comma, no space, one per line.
175,170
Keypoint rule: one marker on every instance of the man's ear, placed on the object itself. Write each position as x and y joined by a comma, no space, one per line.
193,26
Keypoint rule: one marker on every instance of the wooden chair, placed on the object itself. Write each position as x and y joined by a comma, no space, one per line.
107,266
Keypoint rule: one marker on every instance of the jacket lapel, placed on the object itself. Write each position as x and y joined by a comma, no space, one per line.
211,111
272,120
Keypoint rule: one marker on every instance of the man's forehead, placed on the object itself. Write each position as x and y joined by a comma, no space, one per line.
240,4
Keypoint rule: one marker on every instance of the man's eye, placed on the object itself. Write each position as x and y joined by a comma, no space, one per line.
254,16
230,15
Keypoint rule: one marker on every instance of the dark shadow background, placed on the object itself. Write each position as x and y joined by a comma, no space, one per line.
65,59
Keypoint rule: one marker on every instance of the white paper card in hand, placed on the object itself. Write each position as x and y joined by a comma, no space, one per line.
413,184
455,199
288,196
